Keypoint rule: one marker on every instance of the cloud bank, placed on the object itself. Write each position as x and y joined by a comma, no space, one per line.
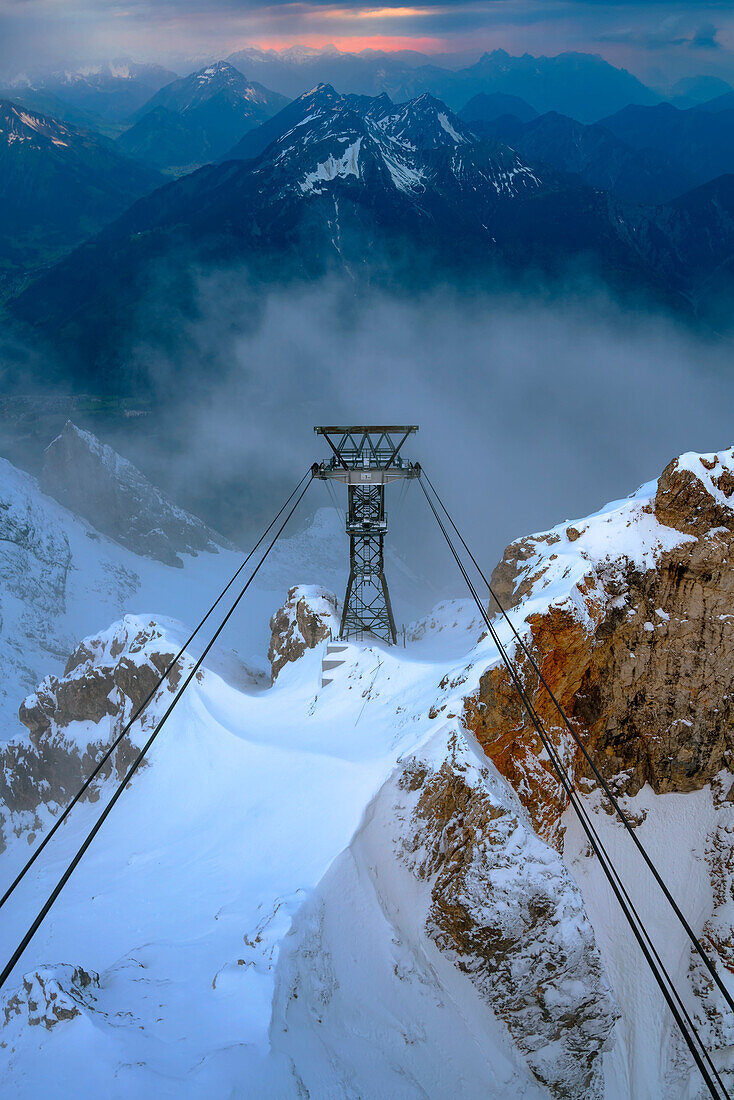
531,410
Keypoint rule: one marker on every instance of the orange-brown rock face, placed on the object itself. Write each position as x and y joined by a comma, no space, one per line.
306,618
638,649
506,911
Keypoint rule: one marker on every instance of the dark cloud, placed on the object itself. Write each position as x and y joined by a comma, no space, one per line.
531,409
673,32
54,33
705,38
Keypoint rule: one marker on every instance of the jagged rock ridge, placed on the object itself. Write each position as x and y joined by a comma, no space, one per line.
634,637
91,479
72,719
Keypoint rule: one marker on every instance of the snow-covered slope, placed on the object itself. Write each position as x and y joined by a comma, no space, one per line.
343,892
60,579
180,914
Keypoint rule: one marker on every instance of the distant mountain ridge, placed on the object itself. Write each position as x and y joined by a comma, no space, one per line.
58,185
595,154
584,86
489,106
198,117
109,91
698,140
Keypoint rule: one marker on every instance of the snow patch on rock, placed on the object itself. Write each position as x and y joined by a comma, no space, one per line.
308,617
333,168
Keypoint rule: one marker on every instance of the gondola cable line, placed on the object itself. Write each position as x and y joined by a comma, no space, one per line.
695,942
134,718
45,908
666,985
680,1014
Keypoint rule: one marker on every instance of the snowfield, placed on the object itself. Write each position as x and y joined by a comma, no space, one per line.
183,904
270,910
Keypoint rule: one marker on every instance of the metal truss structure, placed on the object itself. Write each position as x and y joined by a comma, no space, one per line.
366,459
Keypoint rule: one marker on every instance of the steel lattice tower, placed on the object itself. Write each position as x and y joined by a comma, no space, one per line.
366,459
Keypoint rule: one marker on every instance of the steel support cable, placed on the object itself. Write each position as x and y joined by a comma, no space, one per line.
696,944
128,726
680,1014
141,755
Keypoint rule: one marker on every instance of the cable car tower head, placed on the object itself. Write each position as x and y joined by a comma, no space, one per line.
366,459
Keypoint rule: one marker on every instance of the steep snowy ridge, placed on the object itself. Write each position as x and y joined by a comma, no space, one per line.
17,124
218,103
61,580
411,147
372,889
93,481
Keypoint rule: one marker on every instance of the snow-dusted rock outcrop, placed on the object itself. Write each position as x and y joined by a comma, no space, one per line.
629,613
477,911
49,996
71,720
308,616
95,482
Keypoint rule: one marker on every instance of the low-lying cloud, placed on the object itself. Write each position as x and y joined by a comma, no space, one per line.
530,410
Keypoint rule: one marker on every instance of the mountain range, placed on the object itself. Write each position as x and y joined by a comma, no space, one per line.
349,183
58,185
360,185
198,118
101,94
581,85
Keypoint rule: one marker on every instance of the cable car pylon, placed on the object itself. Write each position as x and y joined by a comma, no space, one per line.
366,459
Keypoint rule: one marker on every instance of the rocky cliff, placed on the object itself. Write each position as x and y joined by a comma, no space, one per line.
308,616
507,913
72,719
629,615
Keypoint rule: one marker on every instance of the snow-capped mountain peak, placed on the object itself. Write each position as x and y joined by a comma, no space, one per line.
330,140
220,72
18,125
220,101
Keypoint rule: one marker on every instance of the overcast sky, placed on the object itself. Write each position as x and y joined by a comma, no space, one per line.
656,40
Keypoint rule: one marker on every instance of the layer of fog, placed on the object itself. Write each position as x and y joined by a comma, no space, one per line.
530,411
